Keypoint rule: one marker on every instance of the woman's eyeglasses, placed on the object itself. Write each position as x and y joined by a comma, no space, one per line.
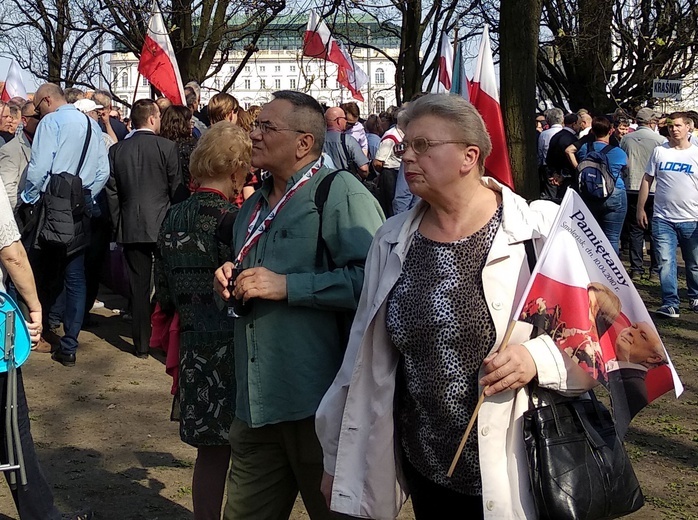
420,145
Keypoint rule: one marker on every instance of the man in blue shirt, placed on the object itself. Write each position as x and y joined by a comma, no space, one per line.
609,213
57,147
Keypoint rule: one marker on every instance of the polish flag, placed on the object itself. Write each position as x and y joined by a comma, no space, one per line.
14,86
485,97
353,77
319,43
158,63
445,65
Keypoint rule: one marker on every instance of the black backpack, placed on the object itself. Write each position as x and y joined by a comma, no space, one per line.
596,182
344,318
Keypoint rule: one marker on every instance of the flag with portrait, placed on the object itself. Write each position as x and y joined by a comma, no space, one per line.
581,295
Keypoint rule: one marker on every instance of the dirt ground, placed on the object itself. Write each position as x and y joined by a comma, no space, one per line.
103,433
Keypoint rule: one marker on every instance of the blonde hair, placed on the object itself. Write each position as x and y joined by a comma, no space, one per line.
464,119
223,150
245,120
221,106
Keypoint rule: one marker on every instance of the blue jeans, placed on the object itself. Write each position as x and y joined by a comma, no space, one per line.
610,214
74,310
667,236
55,273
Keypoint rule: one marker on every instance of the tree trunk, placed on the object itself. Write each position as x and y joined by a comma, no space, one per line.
518,39
409,67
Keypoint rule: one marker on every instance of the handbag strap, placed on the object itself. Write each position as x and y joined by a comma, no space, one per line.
530,254
85,146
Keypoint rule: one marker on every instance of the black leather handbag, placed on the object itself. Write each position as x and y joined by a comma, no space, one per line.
578,467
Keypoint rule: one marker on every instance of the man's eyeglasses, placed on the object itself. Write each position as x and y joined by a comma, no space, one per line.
265,127
420,145
36,108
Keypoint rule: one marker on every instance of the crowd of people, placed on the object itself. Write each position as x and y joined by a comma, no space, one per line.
653,160
321,349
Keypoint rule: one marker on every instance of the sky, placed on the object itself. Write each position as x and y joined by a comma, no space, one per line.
30,82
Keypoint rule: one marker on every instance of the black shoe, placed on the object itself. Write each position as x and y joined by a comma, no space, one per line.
89,323
67,360
142,355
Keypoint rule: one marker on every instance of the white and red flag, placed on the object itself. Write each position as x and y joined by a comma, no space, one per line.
485,96
318,42
352,77
580,294
445,77
158,63
14,86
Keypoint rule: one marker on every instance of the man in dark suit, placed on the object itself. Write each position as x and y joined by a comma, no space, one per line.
145,180
102,97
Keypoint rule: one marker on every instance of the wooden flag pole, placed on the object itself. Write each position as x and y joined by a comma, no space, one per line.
459,452
135,90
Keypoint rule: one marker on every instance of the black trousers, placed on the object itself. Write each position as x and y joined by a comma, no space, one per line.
94,258
35,502
387,181
636,235
139,261
431,500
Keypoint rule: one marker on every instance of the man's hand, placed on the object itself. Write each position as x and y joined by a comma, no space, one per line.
641,216
260,282
103,116
326,487
508,370
221,279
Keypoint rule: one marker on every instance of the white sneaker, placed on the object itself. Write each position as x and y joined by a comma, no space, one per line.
694,305
97,305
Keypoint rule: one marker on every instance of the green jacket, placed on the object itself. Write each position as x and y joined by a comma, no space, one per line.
288,352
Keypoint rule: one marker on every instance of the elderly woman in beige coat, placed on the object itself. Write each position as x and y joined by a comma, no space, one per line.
441,284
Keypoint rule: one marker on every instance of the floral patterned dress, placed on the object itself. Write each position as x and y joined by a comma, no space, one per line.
194,241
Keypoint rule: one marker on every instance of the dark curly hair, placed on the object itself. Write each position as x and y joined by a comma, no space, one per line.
176,123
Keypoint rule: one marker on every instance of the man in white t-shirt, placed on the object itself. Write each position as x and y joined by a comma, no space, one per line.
674,165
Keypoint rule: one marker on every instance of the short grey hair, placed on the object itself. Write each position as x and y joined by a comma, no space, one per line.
102,97
307,116
195,87
463,116
554,116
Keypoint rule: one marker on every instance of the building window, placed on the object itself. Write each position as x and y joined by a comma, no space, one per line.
323,83
277,83
292,68
262,68
247,68
307,68
292,84
145,82
217,84
380,105
277,68
380,77
263,83
124,79
248,85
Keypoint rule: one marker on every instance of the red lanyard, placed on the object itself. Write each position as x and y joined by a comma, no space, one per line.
254,234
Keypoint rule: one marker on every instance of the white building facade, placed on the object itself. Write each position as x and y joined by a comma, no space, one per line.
277,67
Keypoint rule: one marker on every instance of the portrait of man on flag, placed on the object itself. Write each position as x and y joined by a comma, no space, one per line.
582,297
